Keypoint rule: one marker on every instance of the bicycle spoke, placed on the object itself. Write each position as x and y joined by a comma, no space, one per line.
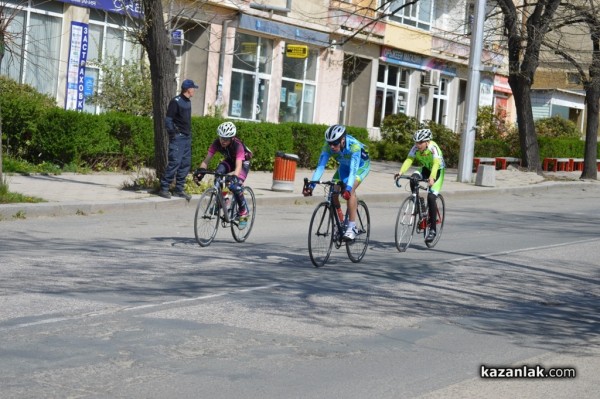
405,224
441,215
241,231
357,248
206,218
320,235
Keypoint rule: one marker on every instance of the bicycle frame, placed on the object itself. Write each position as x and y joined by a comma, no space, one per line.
326,228
211,211
419,219
225,212
340,227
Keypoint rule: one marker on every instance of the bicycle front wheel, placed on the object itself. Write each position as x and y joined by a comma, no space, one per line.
357,248
206,220
320,234
439,225
241,230
405,224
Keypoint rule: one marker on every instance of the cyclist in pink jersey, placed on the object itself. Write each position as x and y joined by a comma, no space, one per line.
236,162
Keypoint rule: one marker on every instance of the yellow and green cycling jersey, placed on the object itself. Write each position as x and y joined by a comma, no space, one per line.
431,161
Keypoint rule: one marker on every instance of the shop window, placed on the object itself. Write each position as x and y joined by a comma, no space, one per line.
392,92
34,58
250,78
298,88
108,41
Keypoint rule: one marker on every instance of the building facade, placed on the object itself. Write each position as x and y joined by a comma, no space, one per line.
275,60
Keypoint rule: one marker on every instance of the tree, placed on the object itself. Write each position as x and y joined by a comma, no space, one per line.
585,15
154,37
525,28
7,39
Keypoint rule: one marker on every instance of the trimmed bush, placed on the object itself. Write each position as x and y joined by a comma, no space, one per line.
263,139
22,107
491,148
557,127
133,140
448,141
308,140
561,147
64,137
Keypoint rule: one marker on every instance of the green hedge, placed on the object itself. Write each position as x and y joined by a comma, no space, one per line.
562,148
549,148
135,138
66,137
266,139
397,131
22,108
490,148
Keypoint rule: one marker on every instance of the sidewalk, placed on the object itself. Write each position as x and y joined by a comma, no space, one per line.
71,194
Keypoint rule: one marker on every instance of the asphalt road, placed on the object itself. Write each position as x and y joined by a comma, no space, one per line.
128,305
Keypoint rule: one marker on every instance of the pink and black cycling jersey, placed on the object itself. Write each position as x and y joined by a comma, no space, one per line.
234,151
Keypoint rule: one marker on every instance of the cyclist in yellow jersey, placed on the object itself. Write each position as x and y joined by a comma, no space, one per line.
429,155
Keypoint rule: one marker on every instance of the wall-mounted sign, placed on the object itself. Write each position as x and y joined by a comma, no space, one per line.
296,51
131,8
177,37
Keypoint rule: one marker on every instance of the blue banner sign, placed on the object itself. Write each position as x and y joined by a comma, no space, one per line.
284,31
76,68
132,8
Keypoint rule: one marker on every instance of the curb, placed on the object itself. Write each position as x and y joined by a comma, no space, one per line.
28,210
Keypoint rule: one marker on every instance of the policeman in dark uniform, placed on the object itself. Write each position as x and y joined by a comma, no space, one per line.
179,127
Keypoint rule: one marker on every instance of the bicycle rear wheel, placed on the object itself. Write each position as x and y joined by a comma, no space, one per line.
241,233
405,224
439,225
357,248
320,234
206,219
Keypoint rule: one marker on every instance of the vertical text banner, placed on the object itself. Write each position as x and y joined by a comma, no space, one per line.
76,68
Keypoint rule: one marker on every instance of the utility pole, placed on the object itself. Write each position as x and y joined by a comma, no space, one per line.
467,141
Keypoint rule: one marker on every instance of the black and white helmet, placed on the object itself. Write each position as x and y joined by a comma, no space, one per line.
334,133
226,130
422,135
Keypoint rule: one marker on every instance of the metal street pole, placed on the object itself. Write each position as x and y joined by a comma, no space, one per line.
467,141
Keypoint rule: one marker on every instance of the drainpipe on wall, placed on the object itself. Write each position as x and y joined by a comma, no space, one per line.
222,61
265,7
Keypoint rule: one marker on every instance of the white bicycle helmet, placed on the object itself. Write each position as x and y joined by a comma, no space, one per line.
334,133
226,130
422,135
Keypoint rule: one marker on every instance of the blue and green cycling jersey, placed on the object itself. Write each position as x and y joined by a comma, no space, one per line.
352,157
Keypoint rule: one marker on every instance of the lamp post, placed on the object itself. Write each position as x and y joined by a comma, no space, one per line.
467,141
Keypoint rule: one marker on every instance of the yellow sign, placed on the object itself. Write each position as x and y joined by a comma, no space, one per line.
248,48
296,51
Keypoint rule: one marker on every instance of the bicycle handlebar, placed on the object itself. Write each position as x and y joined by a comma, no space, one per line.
327,183
423,180
227,177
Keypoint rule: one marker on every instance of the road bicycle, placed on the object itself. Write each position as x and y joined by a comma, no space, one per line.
217,205
413,215
327,228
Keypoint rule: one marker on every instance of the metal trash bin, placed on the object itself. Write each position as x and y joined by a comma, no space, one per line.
284,171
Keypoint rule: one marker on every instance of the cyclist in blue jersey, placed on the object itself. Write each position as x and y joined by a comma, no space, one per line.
354,166
429,155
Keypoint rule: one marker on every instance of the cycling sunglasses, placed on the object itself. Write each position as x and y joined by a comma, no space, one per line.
335,143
